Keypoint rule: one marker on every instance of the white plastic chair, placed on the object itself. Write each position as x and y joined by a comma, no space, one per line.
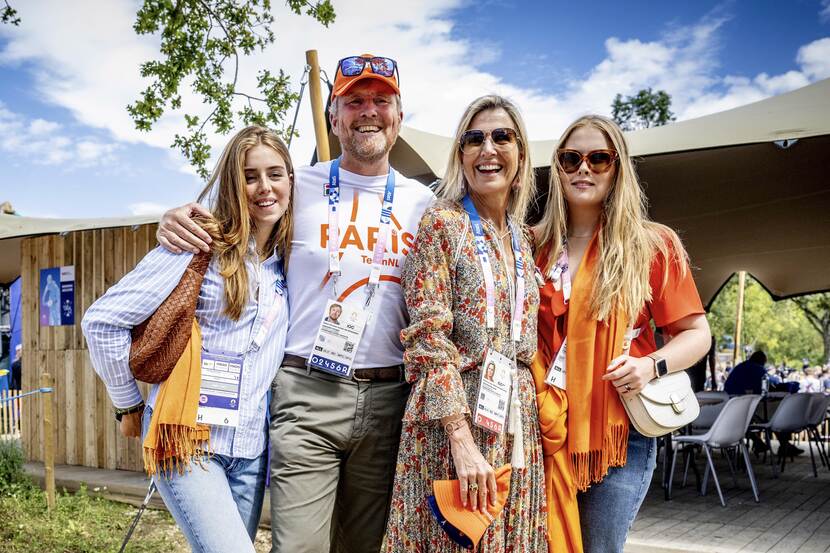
727,431
790,417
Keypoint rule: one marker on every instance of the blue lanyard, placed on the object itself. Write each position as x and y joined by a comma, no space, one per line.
486,268
333,190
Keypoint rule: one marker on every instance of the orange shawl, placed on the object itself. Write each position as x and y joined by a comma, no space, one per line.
597,421
174,438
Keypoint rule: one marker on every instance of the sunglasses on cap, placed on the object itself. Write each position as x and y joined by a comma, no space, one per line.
472,140
599,161
355,65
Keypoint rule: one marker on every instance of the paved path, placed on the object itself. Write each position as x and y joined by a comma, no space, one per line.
793,516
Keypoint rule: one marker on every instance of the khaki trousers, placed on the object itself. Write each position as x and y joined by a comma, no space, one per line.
334,444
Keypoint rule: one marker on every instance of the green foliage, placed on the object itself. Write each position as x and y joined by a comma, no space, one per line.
779,328
816,307
199,40
8,14
644,109
13,479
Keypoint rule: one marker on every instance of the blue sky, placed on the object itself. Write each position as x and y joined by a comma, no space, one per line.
68,148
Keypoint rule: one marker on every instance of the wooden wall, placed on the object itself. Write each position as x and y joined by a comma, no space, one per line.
87,433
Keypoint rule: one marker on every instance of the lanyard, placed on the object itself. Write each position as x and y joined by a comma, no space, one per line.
270,317
560,274
486,268
334,227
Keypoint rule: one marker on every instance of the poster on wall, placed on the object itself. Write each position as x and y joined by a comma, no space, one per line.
57,296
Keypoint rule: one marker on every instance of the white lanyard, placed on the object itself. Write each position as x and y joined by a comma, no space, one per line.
486,268
271,316
560,274
333,191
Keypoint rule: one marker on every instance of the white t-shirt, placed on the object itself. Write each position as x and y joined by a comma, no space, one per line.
309,287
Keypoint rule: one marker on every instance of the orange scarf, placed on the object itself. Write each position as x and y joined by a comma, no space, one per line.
597,422
174,438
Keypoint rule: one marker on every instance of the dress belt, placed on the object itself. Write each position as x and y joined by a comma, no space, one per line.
395,373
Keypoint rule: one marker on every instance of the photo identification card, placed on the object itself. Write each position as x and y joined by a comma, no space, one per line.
556,372
493,392
338,338
219,392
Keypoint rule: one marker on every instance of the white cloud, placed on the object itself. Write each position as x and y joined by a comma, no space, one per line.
41,142
824,14
148,208
87,56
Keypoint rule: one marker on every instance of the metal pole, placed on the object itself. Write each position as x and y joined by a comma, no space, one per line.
739,316
317,107
46,383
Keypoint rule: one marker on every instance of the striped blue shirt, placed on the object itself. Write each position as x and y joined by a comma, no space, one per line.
135,297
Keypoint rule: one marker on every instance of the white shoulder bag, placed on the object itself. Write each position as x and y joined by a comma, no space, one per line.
665,404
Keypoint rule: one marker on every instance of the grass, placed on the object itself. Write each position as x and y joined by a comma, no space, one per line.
80,523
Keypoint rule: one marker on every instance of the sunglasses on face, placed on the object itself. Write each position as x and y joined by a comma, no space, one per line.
472,140
354,65
599,161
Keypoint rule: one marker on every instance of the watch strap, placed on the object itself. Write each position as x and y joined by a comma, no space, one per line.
661,368
121,411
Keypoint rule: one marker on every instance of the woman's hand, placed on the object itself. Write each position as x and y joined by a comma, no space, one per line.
177,232
475,475
628,374
131,425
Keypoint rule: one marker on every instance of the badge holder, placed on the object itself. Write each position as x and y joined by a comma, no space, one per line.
338,339
219,390
493,399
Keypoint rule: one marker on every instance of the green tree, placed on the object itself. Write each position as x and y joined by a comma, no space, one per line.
643,110
200,39
8,14
780,328
816,307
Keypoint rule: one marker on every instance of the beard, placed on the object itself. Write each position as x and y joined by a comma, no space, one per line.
367,149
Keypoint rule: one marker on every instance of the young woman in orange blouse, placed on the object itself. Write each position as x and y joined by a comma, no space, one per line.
606,268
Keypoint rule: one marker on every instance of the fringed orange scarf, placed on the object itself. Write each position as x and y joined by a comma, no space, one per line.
174,438
597,422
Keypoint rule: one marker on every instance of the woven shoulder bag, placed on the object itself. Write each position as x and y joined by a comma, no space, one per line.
158,342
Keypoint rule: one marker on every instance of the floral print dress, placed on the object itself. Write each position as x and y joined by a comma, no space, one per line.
446,343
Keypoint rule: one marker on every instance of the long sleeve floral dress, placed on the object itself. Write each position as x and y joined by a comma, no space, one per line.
446,343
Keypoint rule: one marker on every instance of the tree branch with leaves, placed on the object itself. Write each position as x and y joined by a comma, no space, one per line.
203,40
816,307
8,14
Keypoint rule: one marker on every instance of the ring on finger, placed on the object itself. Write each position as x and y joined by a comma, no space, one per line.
473,487
627,388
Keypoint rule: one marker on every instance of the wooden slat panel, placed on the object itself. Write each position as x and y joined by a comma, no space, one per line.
87,279
68,248
80,413
70,406
58,333
55,367
90,407
78,260
41,362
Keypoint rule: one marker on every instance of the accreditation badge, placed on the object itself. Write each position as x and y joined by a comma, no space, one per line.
219,390
338,338
557,370
494,392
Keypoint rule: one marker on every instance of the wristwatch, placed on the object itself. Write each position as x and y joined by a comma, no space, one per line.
121,411
660,366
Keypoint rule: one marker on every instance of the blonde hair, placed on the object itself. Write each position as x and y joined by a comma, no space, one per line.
231,226
628,240
453,186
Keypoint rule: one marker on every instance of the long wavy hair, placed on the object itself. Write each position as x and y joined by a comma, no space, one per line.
231,227
453,186
628,240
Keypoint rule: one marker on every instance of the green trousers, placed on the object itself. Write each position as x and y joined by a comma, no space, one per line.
334,444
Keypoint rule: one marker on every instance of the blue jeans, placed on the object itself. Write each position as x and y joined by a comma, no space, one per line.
218,505
607,510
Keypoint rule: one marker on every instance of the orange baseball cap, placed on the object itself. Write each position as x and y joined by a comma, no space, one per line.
464,525
342,83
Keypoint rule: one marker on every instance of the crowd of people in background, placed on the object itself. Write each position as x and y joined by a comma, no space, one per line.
781,377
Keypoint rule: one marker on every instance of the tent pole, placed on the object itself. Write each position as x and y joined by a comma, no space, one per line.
739,317
317,110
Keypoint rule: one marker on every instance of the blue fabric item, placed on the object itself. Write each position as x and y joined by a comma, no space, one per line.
217,505
745,378
607,509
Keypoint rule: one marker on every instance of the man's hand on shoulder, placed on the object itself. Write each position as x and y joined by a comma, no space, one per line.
177,232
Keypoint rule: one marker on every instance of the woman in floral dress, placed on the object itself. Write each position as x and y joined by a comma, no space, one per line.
489,178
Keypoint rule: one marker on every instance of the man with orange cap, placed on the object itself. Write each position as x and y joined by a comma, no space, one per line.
336,422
